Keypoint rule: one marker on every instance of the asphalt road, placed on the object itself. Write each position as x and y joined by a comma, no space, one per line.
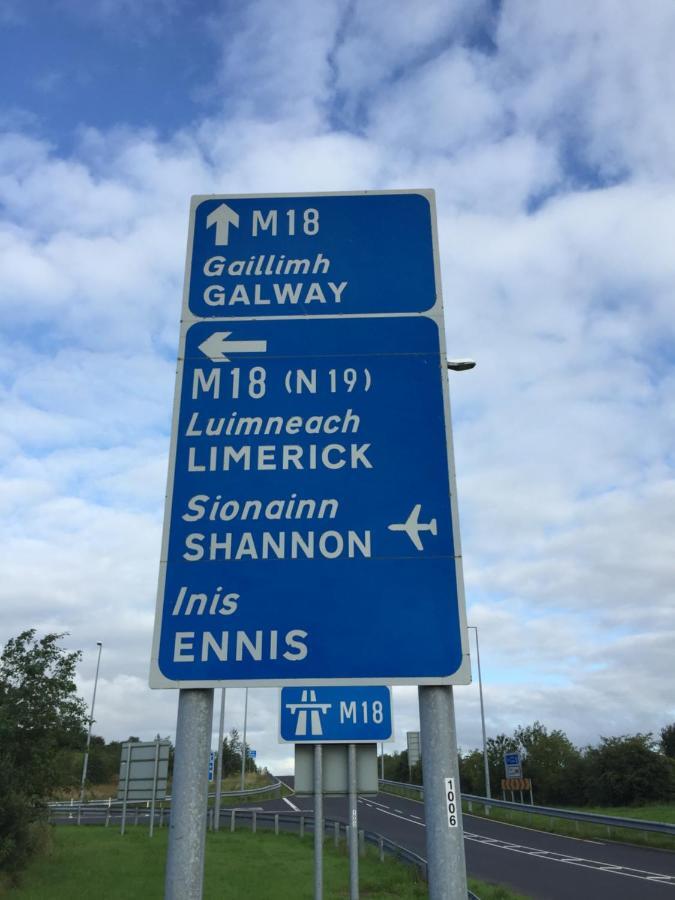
534,863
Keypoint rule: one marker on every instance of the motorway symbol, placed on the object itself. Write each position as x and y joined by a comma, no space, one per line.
328,714
308,705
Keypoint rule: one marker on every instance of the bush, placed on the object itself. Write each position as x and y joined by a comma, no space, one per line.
40,717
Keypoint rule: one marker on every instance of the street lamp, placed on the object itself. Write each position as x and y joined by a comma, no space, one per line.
461,365
482,716
243,748
99,644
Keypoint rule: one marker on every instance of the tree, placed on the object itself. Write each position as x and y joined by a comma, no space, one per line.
41,716
553,763
628,770
472,772
668,740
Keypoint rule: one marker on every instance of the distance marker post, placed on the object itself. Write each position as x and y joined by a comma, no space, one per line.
442,808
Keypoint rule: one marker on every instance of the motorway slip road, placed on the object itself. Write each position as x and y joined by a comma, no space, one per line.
535,863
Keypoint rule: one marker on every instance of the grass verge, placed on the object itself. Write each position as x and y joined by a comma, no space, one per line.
569,828
93,863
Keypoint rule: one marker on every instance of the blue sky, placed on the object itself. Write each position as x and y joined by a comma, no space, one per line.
549,138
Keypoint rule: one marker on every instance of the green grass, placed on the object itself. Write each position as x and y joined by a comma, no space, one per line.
571,828
92,863
664,812
655,812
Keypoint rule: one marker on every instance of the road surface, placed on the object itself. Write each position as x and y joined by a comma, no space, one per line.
535,863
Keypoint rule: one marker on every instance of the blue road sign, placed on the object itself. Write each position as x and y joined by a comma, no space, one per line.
312,255
344,714
212,759
309,522
513,765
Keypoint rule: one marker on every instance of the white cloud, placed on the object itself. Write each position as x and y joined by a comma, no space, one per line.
560,287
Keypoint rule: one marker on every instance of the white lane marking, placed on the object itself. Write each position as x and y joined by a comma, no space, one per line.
537,830
399,811
380,805
554,856
413,816
385,812
292,805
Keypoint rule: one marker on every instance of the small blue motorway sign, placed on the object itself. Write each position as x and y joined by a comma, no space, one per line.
513,765
345,714
310,527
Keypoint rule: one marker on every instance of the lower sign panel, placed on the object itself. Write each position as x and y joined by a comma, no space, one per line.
309,531
345,714
335,769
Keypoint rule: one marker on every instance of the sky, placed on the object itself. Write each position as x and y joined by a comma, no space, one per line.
547,132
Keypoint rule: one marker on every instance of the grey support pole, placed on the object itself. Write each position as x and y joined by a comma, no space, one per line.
442,807
243,744
125,796
154,787
486,764
353,826
219,764
318,822
187,828
99,644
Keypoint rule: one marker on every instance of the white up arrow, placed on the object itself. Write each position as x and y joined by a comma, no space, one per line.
216,346
222,217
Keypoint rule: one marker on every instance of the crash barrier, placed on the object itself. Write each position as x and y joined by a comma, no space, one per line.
95,809
303,823
548,811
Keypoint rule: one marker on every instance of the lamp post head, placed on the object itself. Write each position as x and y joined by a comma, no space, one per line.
461,365
99,643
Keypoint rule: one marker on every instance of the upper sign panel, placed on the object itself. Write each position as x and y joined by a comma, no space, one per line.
311,255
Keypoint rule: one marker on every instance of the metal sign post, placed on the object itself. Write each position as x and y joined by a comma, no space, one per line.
187,827
353,826
318,822
442,807
243,743
219,764
155,773
125,796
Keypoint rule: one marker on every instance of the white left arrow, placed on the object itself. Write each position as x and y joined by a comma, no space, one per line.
216,346
222,217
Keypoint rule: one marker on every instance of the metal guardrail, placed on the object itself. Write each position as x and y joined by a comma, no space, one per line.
553,812
303,821
72,805
384,844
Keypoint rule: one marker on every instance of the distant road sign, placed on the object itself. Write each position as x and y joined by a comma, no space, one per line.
310,528
212,760
345,714
139,762
414,747
513,765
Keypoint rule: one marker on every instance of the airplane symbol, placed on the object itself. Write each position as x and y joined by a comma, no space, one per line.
412,526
